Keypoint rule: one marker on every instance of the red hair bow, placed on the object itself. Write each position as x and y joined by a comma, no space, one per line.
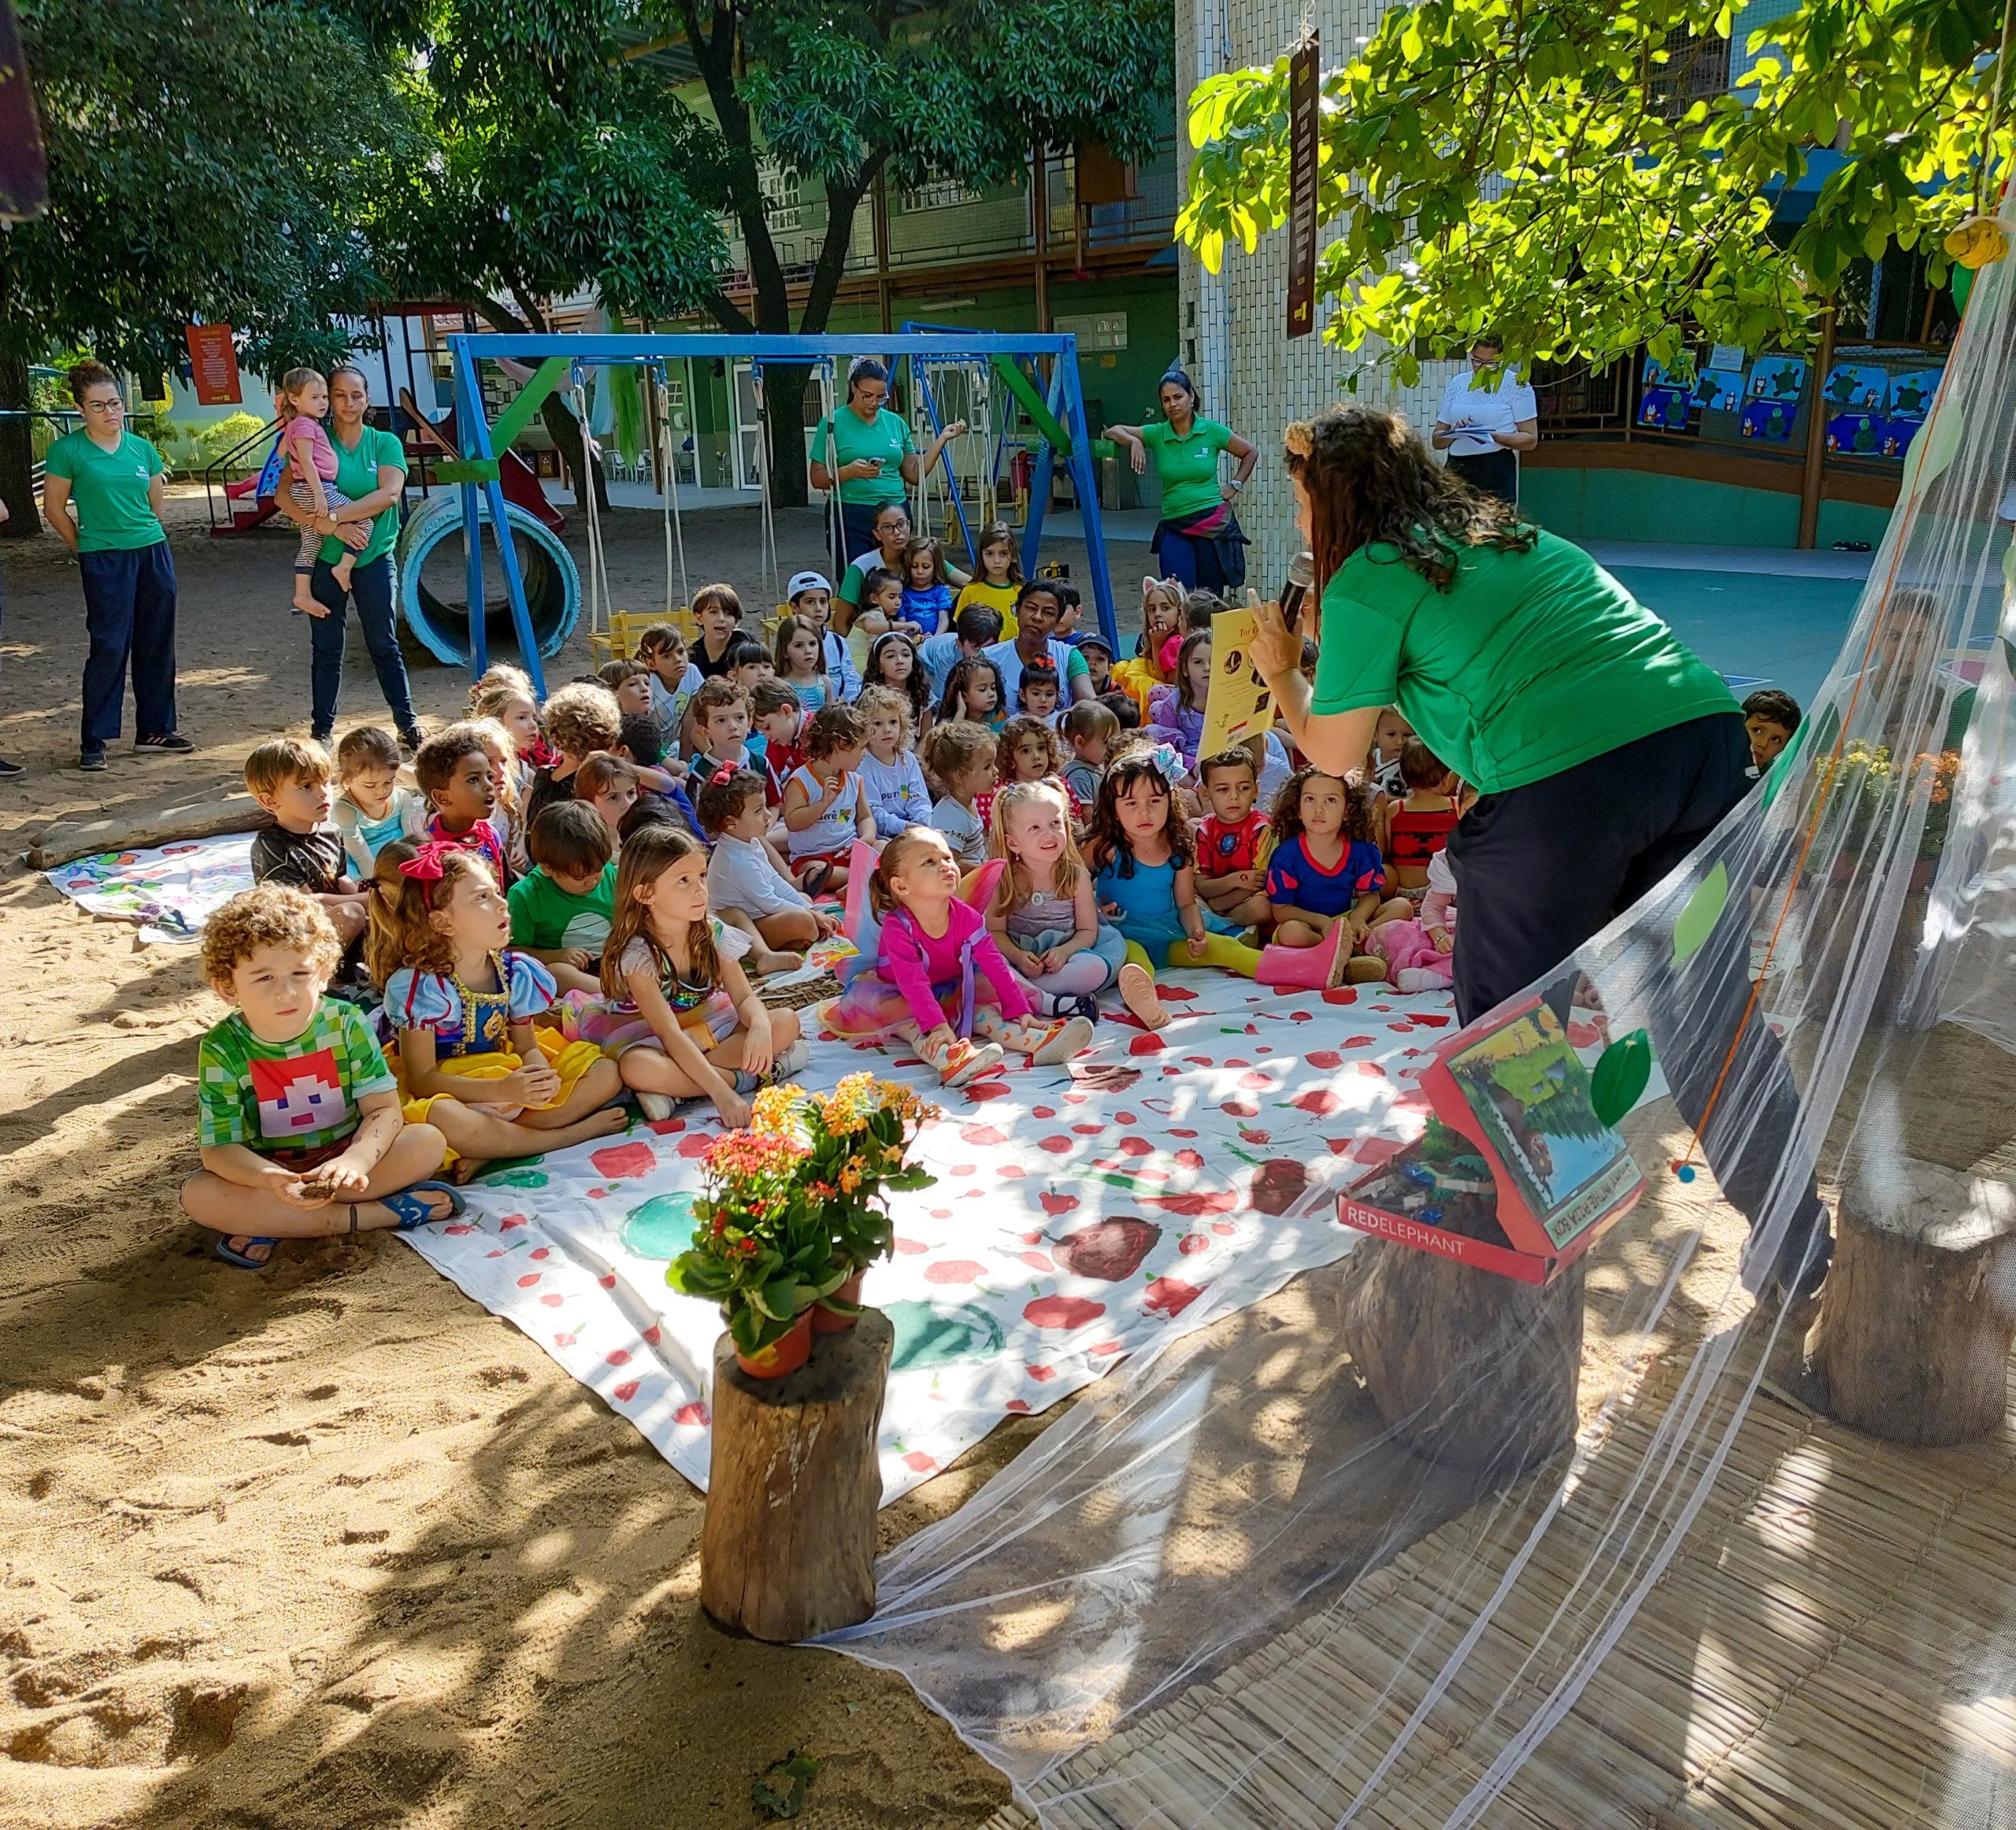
723,776
425,865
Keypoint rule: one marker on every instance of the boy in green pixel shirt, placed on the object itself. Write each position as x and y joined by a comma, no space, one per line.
298,1117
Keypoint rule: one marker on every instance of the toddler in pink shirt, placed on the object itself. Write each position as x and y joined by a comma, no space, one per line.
311,471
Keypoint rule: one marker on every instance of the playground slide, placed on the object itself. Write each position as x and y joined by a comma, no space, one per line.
521,487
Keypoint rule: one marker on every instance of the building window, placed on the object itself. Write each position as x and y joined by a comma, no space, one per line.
1696,68
938,192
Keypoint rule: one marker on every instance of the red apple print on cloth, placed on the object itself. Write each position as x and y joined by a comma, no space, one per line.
1146,1043
954,1270
539,1252
597,1193
617,1356
1319,1102
1075,1098
553,1299
458,1231
1301,1016
1056,1146
696,1413
1136,1146
651,1334
911,1247
1104,1078
1037,1261
1168,1296
1241,1109
694,1144
1372,1070
1110,1250
625,1159
1358,1041
1014,1172
1187,1159
1065,1313
964,1169
1042,1111
1224,1228
1176,1133
664,1127
607,1280
1277,1184
1182,993
1438,1020
985,1090
918,1462
1043,1375
563,1340
526,1282
1238,1061
1256,1083
981,1134
1218,1201
1126,1118
1258,1137
1056,1204
1191,1243
1107,1347
1087,1130
510,1220
1340,995
625,1392
1019,1406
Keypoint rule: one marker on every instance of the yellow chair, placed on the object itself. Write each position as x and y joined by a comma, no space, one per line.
619,641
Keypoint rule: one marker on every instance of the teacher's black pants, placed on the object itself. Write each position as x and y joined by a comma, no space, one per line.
1491,473
1539,869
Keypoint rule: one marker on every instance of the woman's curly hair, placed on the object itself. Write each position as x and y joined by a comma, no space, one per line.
1369,477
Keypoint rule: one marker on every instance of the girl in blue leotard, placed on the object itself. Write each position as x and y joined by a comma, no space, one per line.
1142,857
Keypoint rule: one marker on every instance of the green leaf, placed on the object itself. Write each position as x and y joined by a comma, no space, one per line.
1697,920
779,1790
1620,1076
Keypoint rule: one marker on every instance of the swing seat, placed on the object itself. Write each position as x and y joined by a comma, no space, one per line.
619,641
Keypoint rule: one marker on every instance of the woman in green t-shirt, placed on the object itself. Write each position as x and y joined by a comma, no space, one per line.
103,494
371,470
1605,752
865,453
1198,538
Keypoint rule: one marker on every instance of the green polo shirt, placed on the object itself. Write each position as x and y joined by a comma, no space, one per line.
110,491
1528,665
356,476
885,437
1188,466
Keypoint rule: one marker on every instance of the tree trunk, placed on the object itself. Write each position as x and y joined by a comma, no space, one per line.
556,416
787,1544
783,408
1919,1308
24,519
1466,1367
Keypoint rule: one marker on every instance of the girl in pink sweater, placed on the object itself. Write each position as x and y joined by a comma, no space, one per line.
938,979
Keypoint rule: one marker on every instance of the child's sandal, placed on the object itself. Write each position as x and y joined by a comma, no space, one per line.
244,1260
413,1212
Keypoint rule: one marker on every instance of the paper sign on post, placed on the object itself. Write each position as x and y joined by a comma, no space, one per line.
1238,704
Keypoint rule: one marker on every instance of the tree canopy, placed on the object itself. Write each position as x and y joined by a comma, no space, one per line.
1544,171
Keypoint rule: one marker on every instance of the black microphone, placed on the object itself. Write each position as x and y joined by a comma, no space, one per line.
1301,577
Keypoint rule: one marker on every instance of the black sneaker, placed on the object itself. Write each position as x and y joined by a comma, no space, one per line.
168,743
321,737
411,738
90,761
8,770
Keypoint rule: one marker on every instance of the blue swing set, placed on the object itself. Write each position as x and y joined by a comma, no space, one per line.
1056,410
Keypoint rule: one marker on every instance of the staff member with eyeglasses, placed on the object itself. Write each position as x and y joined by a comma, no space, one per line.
866,453
104,495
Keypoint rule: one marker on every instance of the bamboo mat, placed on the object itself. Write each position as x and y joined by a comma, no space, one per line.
1833,1647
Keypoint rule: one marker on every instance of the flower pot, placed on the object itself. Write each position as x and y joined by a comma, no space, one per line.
784,1355
828,1321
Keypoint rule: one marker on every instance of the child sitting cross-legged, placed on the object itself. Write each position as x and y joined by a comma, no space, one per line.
678,1017
375,807
959,756
291,779
1143,857
1230,881
1326,880
460,1004
1091,732
562,907
780,721
1043,914
456,771
891,774
299,1115
939,980
745,888
826,807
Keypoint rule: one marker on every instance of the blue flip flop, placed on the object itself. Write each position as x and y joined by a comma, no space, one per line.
412,1212
242,1260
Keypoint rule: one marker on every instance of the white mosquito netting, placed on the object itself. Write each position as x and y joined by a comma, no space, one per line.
1438,1464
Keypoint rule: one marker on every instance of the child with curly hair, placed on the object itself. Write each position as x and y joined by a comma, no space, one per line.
298,1114
1326,880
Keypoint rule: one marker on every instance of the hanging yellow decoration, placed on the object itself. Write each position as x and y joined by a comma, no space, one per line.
1977,241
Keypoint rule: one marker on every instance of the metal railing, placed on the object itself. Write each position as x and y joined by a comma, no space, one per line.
216,477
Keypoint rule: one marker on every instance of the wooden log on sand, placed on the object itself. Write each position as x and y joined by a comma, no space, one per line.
787,1545
1471,1369
1919,1308
68,840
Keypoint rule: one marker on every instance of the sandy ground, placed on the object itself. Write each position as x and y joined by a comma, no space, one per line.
334,1545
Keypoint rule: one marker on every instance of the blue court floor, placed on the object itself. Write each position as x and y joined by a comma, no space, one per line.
1758,616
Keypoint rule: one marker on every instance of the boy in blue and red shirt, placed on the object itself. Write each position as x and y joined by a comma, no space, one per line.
1232,844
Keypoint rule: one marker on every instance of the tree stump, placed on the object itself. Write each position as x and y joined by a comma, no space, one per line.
1466,1367
1919,1307
787,1546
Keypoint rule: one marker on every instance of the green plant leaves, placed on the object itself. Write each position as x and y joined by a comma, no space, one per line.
779,1790
1697,920
1620,1077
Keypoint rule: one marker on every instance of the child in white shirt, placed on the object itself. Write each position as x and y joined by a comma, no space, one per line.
891,775
745,888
